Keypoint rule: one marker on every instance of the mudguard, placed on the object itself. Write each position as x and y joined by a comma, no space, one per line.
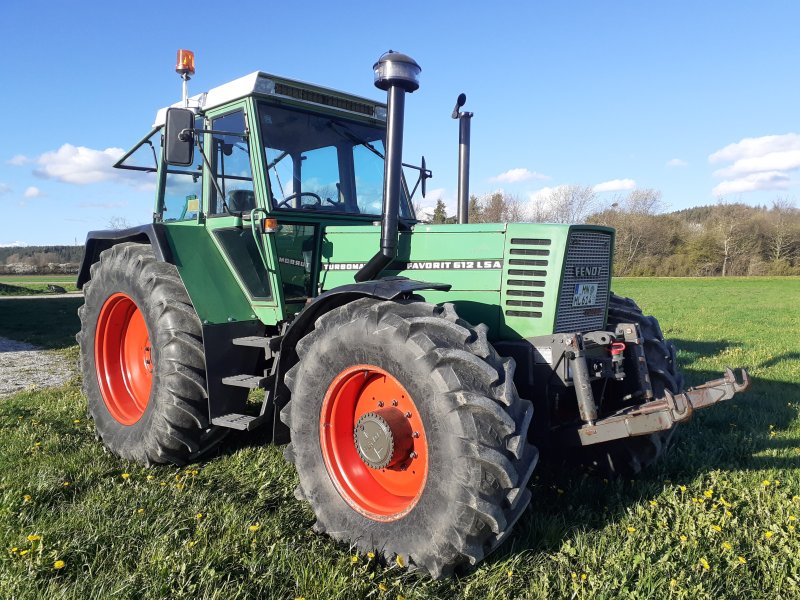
97,241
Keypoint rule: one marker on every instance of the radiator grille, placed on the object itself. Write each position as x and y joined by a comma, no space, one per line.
524,275
587,261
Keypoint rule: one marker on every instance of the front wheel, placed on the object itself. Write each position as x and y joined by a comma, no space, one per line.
142,359
408,435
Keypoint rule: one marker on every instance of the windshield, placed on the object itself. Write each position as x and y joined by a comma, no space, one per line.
321,163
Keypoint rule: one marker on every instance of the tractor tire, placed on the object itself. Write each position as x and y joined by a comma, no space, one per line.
630,456
408,435
142,359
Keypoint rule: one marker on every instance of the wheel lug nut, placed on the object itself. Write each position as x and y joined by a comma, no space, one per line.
408,414
415,434
380,403
413,455
394,402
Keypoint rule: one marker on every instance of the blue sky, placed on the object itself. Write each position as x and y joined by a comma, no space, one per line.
696,99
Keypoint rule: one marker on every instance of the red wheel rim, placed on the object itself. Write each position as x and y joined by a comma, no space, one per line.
123,359
381,494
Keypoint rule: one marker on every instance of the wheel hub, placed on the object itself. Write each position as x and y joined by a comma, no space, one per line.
383,438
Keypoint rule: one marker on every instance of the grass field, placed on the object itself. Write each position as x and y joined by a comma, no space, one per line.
716,519
25,285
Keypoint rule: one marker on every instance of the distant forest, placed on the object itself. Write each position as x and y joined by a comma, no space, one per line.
40,259
718,240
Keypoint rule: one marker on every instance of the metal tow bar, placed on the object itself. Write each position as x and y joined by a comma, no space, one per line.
660,414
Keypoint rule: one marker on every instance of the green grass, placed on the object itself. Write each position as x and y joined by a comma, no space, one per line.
52,278
733,478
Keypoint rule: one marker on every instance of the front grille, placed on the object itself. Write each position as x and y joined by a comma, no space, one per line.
588,261
525,273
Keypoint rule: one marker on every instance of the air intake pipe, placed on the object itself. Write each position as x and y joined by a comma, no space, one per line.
396,73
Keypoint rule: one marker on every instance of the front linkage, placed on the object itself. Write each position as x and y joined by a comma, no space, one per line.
609,374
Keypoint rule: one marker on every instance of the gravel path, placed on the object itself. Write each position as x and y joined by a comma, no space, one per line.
23,366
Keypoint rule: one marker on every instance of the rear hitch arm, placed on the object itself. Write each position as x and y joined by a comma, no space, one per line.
657,415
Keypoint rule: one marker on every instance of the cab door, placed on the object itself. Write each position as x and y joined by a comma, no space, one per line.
234,166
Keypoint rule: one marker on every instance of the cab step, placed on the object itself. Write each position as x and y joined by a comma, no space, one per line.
255,341
247,381
237,421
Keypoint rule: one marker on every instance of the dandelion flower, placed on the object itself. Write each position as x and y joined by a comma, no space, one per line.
792,518
728,513
399,560
59,564
125,475
705,564
653,503
716,528
26,498
795,498
76,421
673,583
66,484
140,510
684,539
24,552
382,587
765,483
790,527
34,538
682,488
768,534
255,527
742,559
727,545
574,575
150,477
354,559
370,555
198,516
708,493
510,573
777,482
584,576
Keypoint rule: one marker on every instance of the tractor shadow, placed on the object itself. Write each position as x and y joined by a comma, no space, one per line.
45,322
744,434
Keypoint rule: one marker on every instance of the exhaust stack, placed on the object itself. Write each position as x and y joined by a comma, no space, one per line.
396,73
464,123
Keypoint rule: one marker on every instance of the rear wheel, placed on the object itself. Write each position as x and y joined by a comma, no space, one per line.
408,435
142,359
629,456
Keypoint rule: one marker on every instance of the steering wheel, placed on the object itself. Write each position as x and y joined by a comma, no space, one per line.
285,202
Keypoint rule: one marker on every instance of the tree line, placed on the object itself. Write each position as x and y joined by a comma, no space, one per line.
40,259
721,239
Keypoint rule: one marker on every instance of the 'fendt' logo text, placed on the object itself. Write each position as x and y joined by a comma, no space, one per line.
588,270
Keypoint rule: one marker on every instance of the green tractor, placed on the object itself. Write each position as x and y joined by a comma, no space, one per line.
414,371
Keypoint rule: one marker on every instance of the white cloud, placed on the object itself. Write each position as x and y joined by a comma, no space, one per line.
677,162
750,147
615,185
78,164
18,160
4,188
16,244
517,175
32,192
774,180
762,163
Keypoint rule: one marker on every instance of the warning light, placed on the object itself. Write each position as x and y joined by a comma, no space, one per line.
269,225
185,64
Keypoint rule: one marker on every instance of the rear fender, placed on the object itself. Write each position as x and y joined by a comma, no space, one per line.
97,241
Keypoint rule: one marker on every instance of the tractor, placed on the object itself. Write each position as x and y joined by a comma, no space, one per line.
413,371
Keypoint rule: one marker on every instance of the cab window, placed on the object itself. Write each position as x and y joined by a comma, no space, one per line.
230,163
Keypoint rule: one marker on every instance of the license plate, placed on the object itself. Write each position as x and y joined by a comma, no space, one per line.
585,294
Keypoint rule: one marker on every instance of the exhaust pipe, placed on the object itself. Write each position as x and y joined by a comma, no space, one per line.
396,73
464,122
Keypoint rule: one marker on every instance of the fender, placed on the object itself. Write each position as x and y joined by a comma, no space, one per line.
97,241
388,288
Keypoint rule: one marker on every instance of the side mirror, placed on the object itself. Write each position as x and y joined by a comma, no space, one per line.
179,137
